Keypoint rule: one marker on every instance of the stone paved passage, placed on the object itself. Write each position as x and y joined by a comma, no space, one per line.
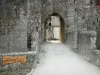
60,60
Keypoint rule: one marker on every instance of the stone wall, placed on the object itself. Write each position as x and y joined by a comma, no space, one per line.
86,28
34,23
13,26
64,10
18,20
18,68
22,25
96,52
98,28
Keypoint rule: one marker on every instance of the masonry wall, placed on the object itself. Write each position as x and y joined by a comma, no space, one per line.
63,8
13,26
86,26
22,26
19,19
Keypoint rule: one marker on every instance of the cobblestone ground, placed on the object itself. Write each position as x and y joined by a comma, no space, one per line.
60,60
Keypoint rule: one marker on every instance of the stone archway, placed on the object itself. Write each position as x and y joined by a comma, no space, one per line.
62,30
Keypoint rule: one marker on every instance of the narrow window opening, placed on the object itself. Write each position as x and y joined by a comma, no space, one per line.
29,39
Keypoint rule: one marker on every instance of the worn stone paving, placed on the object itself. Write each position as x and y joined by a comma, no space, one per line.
60,60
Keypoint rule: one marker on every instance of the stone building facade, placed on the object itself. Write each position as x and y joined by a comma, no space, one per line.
22,25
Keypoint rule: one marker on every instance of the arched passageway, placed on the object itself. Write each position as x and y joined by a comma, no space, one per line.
54,28
59,59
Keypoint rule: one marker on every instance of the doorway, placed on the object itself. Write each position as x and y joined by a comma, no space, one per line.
54,29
